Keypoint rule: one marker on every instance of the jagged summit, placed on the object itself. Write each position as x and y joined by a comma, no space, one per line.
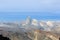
28,20
31,21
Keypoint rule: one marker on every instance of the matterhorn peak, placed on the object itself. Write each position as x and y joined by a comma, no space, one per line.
31,21
28,20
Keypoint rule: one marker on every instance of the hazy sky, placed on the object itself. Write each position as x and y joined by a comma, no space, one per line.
30,5
41,8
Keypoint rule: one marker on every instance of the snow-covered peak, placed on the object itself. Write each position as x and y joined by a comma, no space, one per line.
49,23
34,22
42,23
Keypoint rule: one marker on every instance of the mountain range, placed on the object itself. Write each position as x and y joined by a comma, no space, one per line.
31,28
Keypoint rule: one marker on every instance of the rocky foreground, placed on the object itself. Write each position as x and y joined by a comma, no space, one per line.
29,35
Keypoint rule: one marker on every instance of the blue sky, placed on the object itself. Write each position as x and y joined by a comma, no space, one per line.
20,9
